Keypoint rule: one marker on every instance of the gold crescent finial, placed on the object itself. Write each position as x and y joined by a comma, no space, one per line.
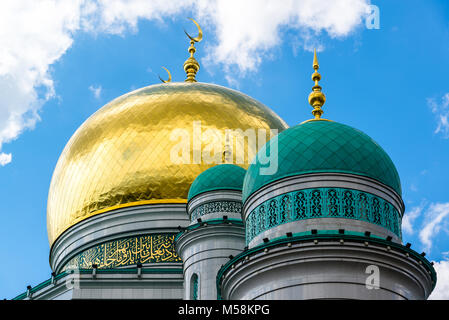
200,32
191,66
169,76
316,97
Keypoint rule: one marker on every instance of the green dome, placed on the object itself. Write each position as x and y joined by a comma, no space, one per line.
220,177
324,146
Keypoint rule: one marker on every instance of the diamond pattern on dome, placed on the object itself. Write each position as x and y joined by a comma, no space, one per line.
324,146
221,177
120,156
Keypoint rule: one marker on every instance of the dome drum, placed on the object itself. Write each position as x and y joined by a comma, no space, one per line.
152,249
216,204
76,246
322,201
257,230
323,267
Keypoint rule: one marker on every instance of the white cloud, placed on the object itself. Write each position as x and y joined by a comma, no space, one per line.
435,219
96,91
118,16
5,158
245,31
441,291
244,39
441,112
35,34
409,219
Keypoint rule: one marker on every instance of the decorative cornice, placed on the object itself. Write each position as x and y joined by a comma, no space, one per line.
319,239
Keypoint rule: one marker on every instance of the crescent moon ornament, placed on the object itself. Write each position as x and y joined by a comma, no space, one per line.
191,66
169,76
200,32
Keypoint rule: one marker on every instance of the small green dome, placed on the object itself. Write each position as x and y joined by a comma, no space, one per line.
324,146
220,177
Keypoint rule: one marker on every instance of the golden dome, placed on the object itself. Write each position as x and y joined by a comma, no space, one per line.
120,156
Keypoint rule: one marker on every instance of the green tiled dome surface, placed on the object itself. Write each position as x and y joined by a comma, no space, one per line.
220,177
324,146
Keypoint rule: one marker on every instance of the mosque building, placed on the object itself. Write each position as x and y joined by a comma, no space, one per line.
139,208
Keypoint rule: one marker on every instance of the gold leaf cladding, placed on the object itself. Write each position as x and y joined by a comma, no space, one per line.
120,156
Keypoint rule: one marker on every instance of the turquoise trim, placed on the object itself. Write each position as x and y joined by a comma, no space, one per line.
219,177
322,146
322,203
323,235
40,286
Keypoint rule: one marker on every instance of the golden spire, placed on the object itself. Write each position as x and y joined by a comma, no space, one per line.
191,66
316,97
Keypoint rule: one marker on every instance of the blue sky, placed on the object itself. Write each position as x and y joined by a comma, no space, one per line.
68,60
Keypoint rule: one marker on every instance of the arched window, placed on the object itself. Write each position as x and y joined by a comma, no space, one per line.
348,204
363,207
387,215
284,213
376,211
272,213
300,206
315,204
194,287
261,220
332,203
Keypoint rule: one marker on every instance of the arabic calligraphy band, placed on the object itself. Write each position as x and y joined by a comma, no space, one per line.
152,248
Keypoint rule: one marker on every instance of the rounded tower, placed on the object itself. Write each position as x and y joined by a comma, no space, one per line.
330,177
327,224
215,232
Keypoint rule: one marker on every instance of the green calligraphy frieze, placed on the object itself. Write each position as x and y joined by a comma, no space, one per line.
154,248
